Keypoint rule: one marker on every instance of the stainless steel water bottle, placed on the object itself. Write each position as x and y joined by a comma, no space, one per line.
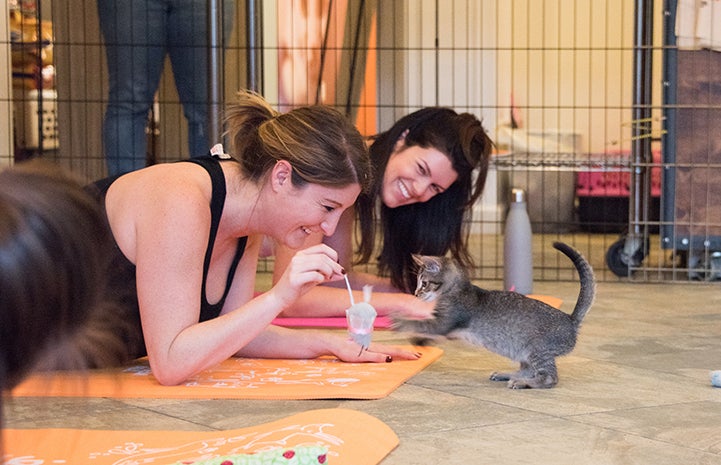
517,246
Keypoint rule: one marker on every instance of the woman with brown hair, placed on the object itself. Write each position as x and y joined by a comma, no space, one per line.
189,234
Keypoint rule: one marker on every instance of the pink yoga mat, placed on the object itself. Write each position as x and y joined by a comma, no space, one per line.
382,322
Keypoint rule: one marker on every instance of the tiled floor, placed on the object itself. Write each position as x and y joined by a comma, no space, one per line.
635,391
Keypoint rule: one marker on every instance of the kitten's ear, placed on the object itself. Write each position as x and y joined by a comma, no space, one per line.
433,264
417,259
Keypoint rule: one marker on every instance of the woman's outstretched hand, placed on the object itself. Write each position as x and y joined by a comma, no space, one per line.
349,351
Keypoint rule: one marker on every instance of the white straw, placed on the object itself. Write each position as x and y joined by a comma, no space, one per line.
350,291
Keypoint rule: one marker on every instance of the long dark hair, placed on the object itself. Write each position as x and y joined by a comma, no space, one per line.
439,225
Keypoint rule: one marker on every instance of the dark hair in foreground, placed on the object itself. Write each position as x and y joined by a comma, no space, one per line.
54,250
440,225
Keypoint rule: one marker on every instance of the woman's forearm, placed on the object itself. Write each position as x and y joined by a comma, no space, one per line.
203,345
327,301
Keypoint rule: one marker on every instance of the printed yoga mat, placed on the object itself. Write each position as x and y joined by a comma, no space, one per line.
239,378
350,437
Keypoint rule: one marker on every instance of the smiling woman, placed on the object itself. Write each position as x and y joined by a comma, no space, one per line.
430,169
311,208
188,236
415,174
435,224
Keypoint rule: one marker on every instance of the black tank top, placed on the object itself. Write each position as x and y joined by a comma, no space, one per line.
123,285
211,164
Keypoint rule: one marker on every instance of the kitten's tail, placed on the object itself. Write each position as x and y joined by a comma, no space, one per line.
587,279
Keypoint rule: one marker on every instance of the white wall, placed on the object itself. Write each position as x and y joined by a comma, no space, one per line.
6,124
443,53
270,50
461,72
569,64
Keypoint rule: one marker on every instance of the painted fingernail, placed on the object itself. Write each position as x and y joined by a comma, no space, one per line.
389,359
342,270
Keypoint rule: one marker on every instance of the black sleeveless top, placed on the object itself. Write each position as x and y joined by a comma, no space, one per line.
123,287
211,164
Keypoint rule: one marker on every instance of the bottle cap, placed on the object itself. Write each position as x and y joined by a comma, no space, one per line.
518,195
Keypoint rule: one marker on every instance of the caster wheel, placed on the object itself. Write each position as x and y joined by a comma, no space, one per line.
621,262
614,259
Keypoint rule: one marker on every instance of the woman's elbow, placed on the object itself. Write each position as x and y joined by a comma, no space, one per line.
169,381
167,376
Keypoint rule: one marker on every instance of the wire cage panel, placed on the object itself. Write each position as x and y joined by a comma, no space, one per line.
691,223
694,208
553,82
36,120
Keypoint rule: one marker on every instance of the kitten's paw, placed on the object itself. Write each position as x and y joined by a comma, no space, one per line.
518,384
495,376
422,341
531,383
402,326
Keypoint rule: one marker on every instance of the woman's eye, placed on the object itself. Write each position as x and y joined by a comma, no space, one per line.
328,208
422,170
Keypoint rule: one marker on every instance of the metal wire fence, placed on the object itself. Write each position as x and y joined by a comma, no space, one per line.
605,112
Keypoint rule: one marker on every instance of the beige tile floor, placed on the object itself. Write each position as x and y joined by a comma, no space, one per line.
635,391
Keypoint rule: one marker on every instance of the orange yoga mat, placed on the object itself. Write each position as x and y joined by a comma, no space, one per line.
240,378
351,438
549,299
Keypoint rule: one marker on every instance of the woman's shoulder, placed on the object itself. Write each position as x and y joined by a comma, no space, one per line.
164,180
163,190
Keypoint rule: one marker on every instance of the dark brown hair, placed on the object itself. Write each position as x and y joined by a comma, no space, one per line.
54,251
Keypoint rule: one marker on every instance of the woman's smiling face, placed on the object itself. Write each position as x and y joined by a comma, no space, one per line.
315,209
415,174
296,212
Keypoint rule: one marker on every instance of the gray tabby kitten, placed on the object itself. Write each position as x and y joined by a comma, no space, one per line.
523,329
